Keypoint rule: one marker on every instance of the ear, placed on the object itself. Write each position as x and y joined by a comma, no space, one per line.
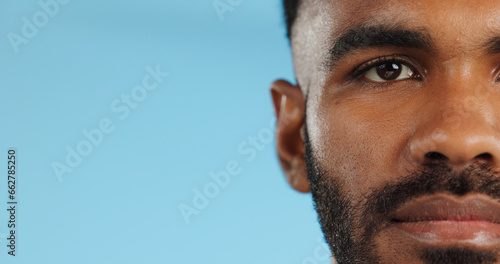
289,105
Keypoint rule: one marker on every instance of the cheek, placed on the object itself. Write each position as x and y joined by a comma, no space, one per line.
363,144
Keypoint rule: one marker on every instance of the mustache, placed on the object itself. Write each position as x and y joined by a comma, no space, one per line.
434,178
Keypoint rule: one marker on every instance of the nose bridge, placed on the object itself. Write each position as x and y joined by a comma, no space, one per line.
458,127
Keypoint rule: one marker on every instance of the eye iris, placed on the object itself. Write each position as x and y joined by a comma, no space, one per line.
389,71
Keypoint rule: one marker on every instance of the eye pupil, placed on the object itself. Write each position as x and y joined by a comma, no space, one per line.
389,71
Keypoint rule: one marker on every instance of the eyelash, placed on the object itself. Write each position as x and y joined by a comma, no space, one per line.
367,66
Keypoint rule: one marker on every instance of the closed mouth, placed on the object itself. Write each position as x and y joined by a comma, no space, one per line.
444,218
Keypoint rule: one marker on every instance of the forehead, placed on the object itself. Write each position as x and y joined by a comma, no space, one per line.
453,12
457,19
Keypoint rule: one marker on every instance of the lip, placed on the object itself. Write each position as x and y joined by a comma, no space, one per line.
473,219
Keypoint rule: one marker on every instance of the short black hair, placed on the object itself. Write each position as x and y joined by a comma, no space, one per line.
291,8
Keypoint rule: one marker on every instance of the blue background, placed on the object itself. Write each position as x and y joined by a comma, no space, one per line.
121,203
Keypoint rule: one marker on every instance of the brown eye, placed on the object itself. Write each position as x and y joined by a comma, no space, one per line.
389,71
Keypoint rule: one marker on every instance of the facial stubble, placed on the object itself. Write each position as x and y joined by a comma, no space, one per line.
350,227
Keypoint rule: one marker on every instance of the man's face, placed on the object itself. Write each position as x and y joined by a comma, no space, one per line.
402,135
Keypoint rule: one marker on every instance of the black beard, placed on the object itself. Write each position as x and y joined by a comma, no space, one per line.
458,255
341,217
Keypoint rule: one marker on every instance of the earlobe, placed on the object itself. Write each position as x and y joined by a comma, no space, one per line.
289,106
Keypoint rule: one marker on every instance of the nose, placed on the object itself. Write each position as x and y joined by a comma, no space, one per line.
458,135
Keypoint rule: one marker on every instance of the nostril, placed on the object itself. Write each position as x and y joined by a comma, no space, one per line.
484,156
435,156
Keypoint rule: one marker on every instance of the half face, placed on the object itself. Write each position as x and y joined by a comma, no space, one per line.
403,127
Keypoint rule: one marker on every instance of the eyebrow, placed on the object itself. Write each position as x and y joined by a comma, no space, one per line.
493,46
361,37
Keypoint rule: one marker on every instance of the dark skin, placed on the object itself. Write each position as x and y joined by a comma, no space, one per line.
437,100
